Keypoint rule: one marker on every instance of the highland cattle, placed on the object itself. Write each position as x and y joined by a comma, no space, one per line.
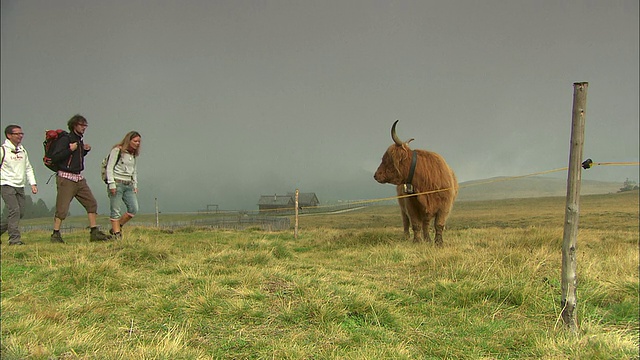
425,184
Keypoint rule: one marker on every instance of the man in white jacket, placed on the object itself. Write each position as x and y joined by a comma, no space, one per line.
15,171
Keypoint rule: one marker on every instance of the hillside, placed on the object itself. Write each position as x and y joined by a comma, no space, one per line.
496,188
538,186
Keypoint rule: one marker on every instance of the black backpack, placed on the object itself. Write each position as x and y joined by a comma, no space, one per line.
50,138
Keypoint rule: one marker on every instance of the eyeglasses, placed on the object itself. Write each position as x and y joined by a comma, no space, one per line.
17,134
83,125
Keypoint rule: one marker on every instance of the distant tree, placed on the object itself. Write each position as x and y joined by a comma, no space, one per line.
629,185
42,210
33,210
28,208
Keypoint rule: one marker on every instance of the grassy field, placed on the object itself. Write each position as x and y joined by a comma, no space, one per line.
350,287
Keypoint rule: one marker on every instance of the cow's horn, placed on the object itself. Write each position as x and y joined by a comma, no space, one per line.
394,136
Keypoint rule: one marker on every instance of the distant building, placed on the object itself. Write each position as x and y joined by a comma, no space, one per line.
305,199
272,203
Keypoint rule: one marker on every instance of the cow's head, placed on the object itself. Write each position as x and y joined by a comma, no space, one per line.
395,164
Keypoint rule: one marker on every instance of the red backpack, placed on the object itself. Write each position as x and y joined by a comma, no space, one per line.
50,138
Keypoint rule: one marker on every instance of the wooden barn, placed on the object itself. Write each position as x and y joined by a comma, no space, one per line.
271,203
305,199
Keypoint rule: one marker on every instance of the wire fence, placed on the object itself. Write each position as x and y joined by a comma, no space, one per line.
237,222
279,219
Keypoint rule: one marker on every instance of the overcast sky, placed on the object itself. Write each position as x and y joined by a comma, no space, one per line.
241,98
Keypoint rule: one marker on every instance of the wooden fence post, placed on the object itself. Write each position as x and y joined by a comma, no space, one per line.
295,231
157,214
572,211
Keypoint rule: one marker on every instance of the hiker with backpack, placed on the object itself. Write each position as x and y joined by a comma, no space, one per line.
15,172
67,156
121,176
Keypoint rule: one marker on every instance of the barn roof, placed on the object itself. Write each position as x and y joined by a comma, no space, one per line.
304,199
276,200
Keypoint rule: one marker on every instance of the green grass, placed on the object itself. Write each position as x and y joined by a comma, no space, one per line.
350,287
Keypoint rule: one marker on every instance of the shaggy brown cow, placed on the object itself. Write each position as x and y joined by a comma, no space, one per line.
433,182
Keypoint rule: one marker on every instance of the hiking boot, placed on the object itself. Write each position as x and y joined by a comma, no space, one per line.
97,235
17,243
115,235
56,237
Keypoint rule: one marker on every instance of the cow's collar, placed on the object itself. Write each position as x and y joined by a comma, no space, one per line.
408,187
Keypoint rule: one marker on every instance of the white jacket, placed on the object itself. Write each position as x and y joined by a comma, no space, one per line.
124,170
16,169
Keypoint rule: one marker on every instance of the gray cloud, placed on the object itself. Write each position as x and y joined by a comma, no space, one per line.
244,98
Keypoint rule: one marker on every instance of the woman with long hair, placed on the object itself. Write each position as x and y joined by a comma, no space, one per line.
122,181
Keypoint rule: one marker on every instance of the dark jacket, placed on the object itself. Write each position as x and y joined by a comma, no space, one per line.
69,161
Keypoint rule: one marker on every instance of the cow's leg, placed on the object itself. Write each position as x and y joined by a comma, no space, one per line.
417,231
426,220
440,220
414,218
416,223
439,230
406,223
405,219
